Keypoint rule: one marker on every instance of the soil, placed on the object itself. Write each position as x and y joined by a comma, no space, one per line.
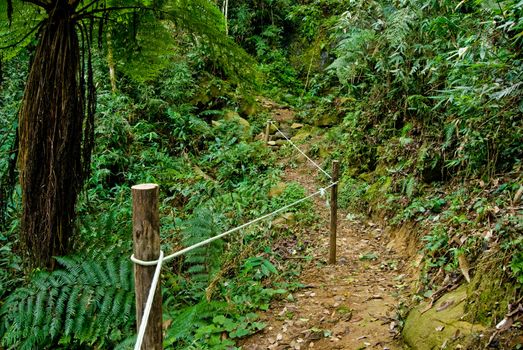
349,305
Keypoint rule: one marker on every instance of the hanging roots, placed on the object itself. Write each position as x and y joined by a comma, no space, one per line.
56,138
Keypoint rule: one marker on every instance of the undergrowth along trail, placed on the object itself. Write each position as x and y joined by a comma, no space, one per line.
350,305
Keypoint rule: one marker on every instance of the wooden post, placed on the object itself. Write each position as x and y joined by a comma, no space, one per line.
334,213
267,132
146,247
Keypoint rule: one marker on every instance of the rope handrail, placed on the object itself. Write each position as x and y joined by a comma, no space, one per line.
321,192
149,303
299,150
161,258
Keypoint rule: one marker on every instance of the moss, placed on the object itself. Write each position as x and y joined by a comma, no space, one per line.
378,189
489,293
432,329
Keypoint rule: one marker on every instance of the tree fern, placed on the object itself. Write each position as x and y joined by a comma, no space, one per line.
89,302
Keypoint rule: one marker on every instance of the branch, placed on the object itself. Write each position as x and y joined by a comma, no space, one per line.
23,38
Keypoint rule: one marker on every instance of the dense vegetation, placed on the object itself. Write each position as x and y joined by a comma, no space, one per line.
420,100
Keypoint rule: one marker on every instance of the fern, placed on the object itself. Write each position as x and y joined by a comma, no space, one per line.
88,302
188,320
202,262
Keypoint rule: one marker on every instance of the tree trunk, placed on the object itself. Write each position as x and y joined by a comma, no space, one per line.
52,170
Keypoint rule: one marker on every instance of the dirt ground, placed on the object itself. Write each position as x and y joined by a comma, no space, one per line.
350,305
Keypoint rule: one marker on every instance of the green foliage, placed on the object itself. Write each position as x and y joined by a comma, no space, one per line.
202,325
516,265
431,84
17,32
188,320
88,303
202,263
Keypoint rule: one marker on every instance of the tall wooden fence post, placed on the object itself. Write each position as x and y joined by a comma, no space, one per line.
334,213
267,132
146,247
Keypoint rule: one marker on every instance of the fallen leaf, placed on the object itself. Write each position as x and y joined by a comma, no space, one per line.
464,266
440,328
445,305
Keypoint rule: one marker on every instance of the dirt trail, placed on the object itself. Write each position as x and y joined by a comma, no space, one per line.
350,305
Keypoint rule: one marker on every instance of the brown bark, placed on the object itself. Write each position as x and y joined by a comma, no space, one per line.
146,239
52,161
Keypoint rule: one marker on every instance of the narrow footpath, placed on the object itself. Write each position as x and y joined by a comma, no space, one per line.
351,305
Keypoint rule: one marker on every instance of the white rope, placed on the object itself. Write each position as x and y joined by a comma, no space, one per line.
149,304
299,150
207,241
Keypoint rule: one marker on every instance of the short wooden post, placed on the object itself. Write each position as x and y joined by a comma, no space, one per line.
267,132
146,247
334,213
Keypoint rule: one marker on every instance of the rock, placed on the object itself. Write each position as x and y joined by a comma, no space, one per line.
271,143
302,135
280,136
340,328
326,120
272,128
296,126
248,106
431,329
234,116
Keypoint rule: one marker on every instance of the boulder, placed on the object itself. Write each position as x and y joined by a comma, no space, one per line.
440,325
235,117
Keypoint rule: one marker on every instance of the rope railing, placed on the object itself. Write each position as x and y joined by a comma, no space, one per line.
321,192
161,258
299,150
149,303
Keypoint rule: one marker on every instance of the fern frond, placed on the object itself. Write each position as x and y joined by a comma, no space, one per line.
190,318
203,262
84,303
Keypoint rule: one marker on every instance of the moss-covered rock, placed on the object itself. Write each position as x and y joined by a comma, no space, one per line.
305,133
326,119
441,325
235,117
489,296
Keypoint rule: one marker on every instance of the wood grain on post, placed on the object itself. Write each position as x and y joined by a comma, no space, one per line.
334,213
267,132
146,247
